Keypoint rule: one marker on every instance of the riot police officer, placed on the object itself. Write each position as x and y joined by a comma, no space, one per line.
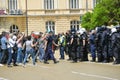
74,46
92,45
68,48
116,45
105,44
99,44
79,44
84,45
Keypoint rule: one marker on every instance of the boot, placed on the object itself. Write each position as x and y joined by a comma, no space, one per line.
45,62
93,60
55,61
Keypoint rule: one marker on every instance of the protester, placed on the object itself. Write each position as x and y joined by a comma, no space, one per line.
29,50
42,41
103,44
19,51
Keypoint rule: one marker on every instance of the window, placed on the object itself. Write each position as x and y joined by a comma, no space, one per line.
12,4
49,4
50,26
74,4
74,25
14,28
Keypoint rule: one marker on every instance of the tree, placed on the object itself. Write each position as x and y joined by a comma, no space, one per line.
86,20
106,12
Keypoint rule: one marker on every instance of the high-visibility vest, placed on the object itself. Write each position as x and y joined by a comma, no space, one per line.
62,40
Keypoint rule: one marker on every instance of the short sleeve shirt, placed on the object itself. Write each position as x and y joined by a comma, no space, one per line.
3,43
28,45
49,43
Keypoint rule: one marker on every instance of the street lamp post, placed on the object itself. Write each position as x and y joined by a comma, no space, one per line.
26,18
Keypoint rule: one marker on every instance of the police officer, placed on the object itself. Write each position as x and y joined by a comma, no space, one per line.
116,45
99,44
110,50
74,46
78,45
92,45
48,49
105,44
84,45
68,47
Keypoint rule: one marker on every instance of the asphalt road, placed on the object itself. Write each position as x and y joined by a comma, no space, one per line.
64,70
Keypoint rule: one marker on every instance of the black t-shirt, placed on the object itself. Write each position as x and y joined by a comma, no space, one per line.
68,38
49,43
74,40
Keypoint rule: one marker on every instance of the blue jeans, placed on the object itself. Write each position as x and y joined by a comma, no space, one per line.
3,56
62,52
49,52
9,56
42,53
32,53
19,55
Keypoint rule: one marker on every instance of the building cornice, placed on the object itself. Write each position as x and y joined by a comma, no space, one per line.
12,15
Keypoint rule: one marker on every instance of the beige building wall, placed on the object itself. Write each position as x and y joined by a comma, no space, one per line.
62,23
7,22
38,16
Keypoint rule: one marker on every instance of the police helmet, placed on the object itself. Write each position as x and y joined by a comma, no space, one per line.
104,28
113,30
82,30
118,27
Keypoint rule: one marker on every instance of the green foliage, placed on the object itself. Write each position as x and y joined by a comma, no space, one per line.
86,20
106,12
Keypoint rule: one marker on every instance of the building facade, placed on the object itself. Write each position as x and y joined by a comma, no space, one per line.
43,15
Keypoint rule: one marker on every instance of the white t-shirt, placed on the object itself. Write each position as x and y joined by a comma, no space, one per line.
11,43
28,45
14,37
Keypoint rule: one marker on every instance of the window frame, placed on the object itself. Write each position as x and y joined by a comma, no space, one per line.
75,24
14,28
12,4
50,26
74,4
49,4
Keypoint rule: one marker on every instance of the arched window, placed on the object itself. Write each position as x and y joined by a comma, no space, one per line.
74,25
50,26
14,28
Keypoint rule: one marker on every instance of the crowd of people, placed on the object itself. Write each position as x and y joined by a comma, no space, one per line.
102,43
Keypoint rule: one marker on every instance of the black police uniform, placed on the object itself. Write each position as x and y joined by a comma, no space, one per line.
74,48
68,47
105,45
84,47
99,45
116,46
79,45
